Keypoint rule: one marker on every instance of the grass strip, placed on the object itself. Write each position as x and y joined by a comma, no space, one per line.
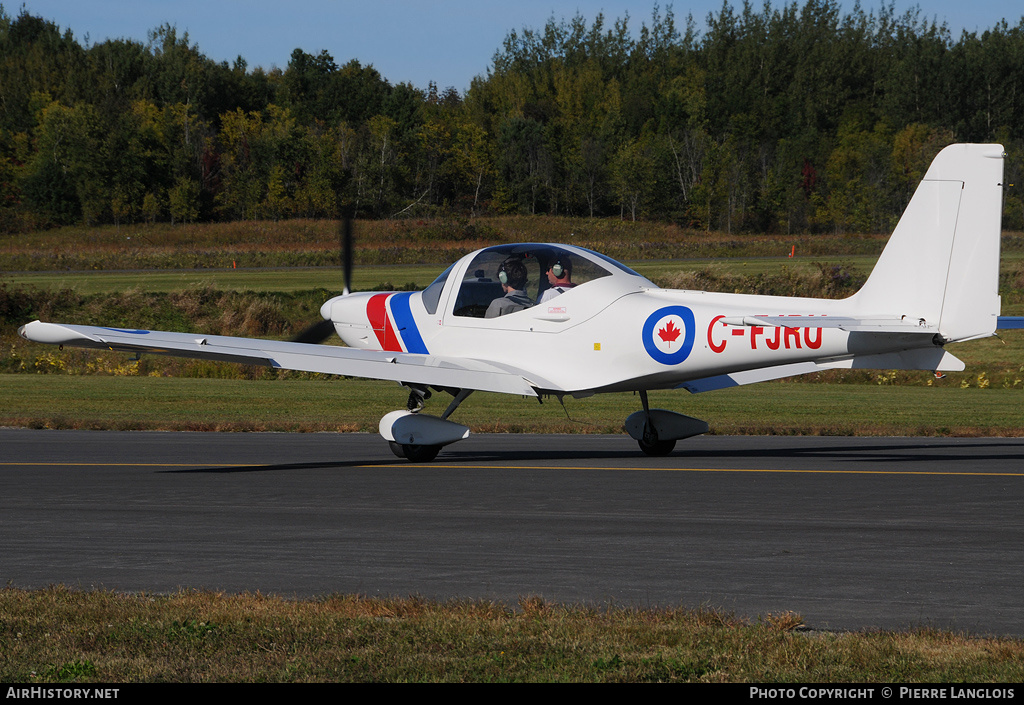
307,405
60,635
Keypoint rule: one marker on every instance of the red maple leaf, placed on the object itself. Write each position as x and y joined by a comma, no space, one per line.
669,333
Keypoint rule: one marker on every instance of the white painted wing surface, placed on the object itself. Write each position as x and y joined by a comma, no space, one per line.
305,357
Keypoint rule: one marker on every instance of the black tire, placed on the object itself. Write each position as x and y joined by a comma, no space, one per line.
420,454
397,448
657,448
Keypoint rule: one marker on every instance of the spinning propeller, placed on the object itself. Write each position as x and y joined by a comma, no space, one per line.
321,331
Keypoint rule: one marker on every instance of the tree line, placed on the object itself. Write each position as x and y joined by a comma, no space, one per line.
793,118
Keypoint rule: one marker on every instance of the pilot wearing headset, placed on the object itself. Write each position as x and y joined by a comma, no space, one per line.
559,278
512,275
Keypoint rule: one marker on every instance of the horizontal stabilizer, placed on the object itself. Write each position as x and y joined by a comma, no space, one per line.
866,324
1010,322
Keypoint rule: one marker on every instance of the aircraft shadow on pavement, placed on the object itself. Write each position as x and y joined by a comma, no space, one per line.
925,451
835,450
271,467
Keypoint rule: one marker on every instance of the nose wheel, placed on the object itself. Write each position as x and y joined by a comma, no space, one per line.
419,437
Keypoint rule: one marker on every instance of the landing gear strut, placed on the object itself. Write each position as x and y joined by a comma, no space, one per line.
649,443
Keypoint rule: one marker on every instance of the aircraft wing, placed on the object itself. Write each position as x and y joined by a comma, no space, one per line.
430,370
866,324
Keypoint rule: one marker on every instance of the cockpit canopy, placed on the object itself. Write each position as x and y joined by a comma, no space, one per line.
481,280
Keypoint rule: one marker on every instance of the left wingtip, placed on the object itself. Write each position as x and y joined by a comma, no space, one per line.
23,331
52,333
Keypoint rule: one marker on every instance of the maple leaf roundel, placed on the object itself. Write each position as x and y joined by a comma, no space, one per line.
668,334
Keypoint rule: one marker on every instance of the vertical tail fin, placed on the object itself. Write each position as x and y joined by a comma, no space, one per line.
942,261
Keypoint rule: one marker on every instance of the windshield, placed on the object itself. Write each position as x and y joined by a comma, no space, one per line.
432,294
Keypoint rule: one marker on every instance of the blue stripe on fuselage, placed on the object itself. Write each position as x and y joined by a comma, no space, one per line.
406,324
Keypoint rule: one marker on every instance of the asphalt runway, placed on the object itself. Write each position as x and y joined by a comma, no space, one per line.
851,533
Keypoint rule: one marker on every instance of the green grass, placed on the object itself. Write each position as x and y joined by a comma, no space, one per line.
61,636
138,403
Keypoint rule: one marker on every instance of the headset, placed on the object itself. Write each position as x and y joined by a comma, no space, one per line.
503,274
559,269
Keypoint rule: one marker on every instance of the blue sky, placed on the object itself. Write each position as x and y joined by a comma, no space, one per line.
445,41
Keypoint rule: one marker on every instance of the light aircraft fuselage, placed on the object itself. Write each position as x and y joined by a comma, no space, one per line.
615,332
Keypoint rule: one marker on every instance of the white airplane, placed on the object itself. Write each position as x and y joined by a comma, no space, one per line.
480,327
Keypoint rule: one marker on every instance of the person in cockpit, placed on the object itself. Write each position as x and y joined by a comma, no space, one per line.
559,275
512,275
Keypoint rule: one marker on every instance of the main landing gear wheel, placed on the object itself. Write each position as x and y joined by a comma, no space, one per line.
648,440
415,453
656,448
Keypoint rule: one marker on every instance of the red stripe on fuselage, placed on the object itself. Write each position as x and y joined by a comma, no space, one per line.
377,315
